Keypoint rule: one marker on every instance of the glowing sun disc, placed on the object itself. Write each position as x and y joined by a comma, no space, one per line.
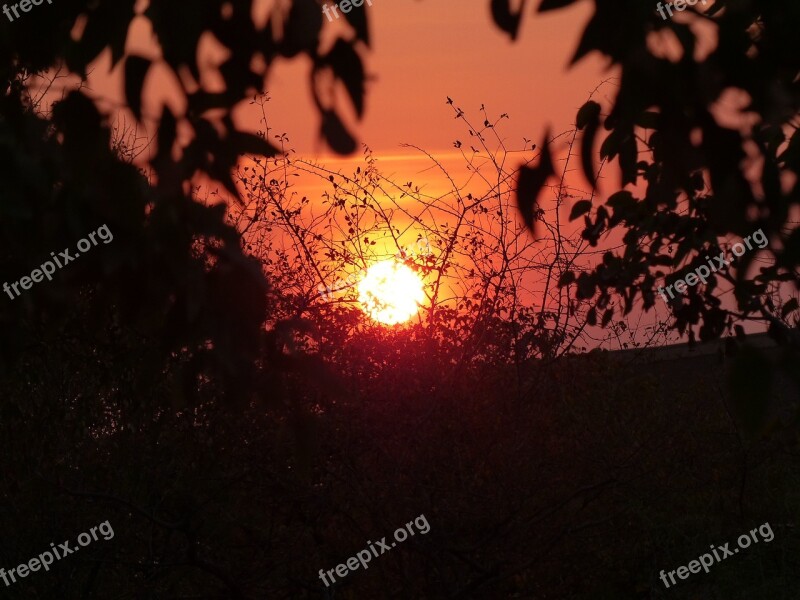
390,292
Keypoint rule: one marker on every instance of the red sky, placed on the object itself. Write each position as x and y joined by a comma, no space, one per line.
423,51
426,50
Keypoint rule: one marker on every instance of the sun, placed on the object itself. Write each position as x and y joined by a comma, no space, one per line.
390,292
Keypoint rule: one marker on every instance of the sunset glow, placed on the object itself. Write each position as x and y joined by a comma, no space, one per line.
390,292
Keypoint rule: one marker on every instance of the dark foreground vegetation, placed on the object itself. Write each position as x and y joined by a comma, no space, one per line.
582,479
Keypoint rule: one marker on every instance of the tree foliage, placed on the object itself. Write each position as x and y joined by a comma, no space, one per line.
693,181
182,29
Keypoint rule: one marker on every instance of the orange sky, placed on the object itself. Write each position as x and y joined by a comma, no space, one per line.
423,51
426,50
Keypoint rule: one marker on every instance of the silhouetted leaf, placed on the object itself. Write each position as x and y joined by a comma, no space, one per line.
588,119
504,18
530,182
663,260
302,28
586,286
580,208
648,119
358,20
588,113
103,26
240,80
566,278
554,4
611,145
790,306
167,130
247,143
136,68
347,66
179,30
627,159
337,136
623,204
